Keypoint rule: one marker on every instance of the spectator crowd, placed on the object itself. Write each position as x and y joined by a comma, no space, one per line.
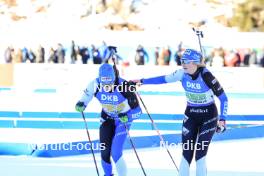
216,57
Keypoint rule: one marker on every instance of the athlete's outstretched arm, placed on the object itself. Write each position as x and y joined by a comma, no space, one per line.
88,93
175,76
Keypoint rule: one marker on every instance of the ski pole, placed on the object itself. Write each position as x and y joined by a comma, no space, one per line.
134,148
199,35
89,139
113,51
156,128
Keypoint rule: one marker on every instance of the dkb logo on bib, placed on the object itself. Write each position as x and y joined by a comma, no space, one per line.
109,97
193,85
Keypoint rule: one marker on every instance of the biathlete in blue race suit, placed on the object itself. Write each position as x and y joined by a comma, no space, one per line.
201,118
119,108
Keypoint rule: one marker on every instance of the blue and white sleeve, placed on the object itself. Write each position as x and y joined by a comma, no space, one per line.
223,106
218,90
88,93
175,76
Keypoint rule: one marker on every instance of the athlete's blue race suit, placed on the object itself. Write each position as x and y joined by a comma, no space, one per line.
122,101
201,115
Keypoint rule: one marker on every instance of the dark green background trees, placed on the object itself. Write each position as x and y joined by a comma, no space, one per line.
248,16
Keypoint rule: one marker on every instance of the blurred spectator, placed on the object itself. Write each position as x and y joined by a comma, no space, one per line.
84,52
262,62
178,54
250,57
165,56
31,56
74,51
52,56
104,52
60,53
9,53
40,55
25,54
177,57
18,56
107,53
232,59
253,58
238,60
217,58
141,56
262,58
95,55
78,59
156,55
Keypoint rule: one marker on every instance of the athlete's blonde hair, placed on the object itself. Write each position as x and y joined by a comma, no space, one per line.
201,64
